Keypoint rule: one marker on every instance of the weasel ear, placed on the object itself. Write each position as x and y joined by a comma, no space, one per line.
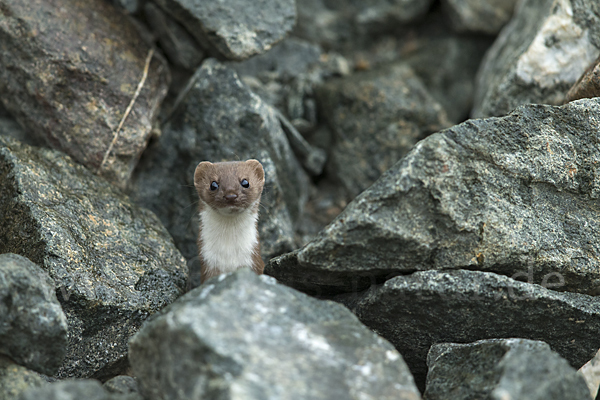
200,172
257,168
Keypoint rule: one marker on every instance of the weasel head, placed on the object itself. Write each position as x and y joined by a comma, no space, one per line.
230,187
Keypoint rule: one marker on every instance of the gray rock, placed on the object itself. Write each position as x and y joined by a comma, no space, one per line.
591,373
487,16
498,369
122,384
588,85
218,118
246,337
416,311
113,263
15,379
539,55
179,46
236,29
376,118
68,72
129,6
515,195
75,389
33,327
10,127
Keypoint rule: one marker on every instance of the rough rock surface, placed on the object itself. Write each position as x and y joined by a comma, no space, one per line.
512,195
220,119
428,307
498,369
15,379
591,373
247,337
539,55
588,85
112,262
122,384
33,327
488,16
68,71
236,29
376,118
76,389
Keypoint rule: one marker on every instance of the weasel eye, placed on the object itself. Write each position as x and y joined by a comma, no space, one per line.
214,186
245,183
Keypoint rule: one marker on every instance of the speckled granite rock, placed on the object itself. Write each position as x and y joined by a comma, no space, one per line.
511,195
33,327
113,263
218,119
68,71
247,337
539,55
499,369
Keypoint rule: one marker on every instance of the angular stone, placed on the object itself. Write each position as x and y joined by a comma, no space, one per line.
76,389
112,262
515,369
488,16
416,311
122,384
516,195
15,379
591,373
33,327
218,118
376,118
69,70
247,337
237,29
539,55
588,85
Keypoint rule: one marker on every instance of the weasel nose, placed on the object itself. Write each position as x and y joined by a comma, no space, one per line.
231,197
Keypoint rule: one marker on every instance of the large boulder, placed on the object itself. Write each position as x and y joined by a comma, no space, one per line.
69,70
235,29
516,195
499,369
112,262
33,327
539,55
218,118
247,337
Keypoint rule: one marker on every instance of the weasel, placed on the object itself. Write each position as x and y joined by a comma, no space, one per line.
229,195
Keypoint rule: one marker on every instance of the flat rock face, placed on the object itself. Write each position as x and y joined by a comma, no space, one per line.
516,195
112,262
33,327
246,337
220,119
488,16
237,29
415,311
15,379
376,118
501,369
538,56
68,71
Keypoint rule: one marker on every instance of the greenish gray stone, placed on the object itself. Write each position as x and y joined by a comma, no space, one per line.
416,311
33,327
112,262
486,17
76,389
236,29
68,71
15,379
247,337
219,119
516,195
122,384
499,369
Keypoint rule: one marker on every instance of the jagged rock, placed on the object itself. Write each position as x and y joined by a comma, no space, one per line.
179,46
376,118
218,118
539,55
15,379
516,195
69,70
588,85
416,311
261,340
112,262
33,327
122,384
498,369
488,16
236,29
76,389
591,373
